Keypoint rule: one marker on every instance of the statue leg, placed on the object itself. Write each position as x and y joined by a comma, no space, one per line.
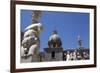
24,57
33,51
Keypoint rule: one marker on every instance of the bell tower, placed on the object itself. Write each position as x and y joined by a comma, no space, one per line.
54,51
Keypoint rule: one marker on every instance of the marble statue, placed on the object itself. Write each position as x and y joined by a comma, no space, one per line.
31,43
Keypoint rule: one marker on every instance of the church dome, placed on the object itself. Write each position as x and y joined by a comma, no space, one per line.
54,40
54,36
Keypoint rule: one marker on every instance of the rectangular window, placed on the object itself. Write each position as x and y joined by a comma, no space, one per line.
53,55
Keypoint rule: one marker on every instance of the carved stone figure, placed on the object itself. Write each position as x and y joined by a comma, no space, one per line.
31,43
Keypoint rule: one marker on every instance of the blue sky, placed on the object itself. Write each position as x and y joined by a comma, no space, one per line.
68,24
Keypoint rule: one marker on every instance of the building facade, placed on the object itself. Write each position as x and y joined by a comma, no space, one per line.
55,51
